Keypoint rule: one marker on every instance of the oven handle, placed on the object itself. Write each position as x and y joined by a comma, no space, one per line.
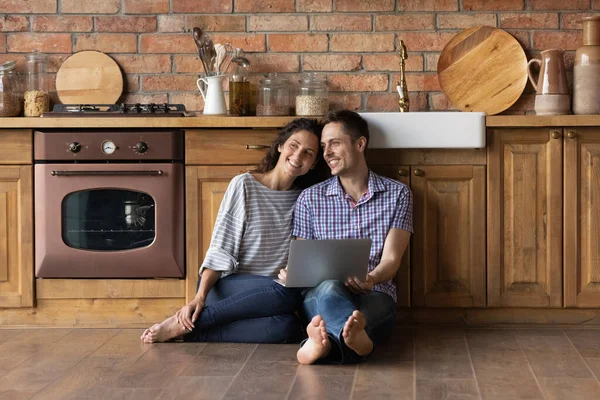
108,173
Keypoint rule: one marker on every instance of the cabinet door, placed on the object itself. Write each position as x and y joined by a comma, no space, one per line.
448,248
582,218
205,187
16,236
525,217
400,173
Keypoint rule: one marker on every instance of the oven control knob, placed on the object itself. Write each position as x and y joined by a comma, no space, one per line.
74,147
141,147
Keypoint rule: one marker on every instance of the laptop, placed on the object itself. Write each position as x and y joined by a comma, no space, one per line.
311,262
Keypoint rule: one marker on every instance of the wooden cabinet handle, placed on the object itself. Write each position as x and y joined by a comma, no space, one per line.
256,146
556,135
571,135
403,172
419,172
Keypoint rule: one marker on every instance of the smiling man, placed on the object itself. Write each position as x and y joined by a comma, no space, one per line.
347,318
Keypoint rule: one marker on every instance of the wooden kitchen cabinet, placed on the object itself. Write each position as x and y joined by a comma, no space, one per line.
16,236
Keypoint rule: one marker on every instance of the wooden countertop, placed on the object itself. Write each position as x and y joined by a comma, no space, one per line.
265,122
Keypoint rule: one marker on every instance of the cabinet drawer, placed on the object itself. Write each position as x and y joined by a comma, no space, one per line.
16,146
227,146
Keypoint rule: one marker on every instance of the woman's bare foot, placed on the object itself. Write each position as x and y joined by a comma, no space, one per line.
355,335
317,345
166,330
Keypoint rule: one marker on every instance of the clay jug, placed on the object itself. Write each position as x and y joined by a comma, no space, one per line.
586,71
552,95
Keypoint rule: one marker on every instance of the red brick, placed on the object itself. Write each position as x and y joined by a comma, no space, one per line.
356,42
439,102
595,4
574,20
388,102
171,23
107,42
44,42
559,4
391,62
201,6
419,82
158,83
358,83
431,61
314,5
266,6
28,7
525,105
193,101
2,42
340,22
425,41
405,22
428,5
461,21
331,62
58,23
145,6
522,37
14,23
131,83
182,43
132,98
345,101
288,23
248,42
190,64
126,24
562,40
55,61
529,20
19,58
298,43
144,64
215,23
364,5
90,6
478,5
265,62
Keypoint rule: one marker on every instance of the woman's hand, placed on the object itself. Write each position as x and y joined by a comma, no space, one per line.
357,286
189,313
282,274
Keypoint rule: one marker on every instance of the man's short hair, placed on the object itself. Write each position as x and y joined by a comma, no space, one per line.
352,123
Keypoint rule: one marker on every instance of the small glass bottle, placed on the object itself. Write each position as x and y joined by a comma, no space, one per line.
273,96
239,86
37,100
313,95
11,96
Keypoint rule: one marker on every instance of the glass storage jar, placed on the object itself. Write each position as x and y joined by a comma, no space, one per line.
273,96
37,100
11,95
239,86
313,95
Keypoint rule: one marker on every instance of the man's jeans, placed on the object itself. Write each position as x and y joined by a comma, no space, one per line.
249,308
332,301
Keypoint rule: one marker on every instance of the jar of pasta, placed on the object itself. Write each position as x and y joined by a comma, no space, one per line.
313,95
37,100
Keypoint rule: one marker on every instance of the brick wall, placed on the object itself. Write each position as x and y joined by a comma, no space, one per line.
354,41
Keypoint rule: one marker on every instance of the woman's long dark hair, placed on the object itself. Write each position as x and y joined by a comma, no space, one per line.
315,175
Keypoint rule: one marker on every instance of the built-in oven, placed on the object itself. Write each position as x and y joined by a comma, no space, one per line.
109,203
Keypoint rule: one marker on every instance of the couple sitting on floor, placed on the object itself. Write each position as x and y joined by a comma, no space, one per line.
237,299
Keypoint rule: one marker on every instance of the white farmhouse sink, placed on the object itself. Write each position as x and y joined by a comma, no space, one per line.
426,130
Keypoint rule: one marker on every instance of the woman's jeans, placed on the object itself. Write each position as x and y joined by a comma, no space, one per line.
249,308
332,301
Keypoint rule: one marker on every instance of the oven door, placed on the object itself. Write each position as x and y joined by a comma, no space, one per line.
109,220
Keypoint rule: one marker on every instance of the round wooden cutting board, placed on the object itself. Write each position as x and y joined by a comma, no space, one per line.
482,69
89,77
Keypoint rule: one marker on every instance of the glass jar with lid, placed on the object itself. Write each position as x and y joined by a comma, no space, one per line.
11,96
313,95
37,100
273,96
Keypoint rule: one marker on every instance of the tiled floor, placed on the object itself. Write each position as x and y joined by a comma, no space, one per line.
420,363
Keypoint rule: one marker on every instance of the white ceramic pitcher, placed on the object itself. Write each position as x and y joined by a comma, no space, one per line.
214,98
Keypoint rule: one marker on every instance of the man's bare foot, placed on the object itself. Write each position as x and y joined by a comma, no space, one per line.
355,335
166,330
318,344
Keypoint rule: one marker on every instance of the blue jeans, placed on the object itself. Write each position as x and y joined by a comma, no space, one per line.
249,308
332,301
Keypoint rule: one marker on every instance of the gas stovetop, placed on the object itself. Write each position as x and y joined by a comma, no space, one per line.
116,110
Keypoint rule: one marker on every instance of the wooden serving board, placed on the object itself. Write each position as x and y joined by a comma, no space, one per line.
482,69
89,77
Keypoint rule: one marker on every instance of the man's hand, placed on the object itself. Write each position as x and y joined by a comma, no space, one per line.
189,313
357,286
282,274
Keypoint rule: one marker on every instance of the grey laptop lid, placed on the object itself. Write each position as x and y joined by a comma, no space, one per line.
311,262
